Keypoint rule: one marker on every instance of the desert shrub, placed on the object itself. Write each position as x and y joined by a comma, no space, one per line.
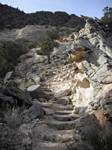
9,54
53,34
66,31
47,47
27,44
72,36
100,141
106,20
32,44
108,142
3,65
96,141
10,135
12,51
13,117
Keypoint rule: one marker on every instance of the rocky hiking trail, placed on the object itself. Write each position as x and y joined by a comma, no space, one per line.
56,130
70,98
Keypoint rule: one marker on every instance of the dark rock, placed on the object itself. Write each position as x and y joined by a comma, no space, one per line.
34,91
23,98
86,126
36,111
6,100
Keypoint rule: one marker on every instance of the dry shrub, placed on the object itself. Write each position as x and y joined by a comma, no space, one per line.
13,117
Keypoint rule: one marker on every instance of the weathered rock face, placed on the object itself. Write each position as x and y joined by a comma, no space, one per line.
94,72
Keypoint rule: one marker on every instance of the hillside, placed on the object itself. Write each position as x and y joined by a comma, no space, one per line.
55,81
64,105
29,32
14,18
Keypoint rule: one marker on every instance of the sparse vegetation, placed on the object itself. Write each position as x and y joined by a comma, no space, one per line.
47,47
53,35
100,141
9,54
65,31
107,18
72,36
13,117
27,44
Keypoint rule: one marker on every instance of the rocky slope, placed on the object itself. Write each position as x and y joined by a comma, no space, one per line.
29,32
71,96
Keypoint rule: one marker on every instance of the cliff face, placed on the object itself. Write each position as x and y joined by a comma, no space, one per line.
14,18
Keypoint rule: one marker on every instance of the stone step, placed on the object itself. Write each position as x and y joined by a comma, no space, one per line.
64,100
48,111
57,106
68,117
62,107
48,93
63,112
49,146
45,88
60,136
61,125
47,104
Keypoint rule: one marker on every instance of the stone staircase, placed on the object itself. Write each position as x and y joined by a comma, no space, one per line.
56,131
